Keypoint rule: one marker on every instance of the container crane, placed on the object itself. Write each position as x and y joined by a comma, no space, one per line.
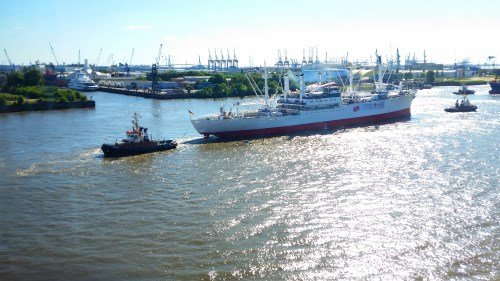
155,87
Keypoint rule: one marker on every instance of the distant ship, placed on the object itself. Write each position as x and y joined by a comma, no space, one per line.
495,87
323,108
464,91
82,82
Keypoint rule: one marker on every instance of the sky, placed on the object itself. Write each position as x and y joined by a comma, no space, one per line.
448,31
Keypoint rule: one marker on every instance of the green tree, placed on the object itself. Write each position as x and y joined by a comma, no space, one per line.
33,77
62,98
189,88
20,100
206,92
3,100
221,90
239,89
430,77
408,75
71,97
15,78
217,79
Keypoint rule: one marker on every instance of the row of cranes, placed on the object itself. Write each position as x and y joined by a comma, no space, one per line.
221,63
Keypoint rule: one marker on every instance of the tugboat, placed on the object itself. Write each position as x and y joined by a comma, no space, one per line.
464,91
495,87
137,142
464,106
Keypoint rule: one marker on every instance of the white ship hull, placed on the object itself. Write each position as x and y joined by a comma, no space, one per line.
344,115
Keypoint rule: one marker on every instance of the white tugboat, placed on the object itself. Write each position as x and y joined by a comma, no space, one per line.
323,108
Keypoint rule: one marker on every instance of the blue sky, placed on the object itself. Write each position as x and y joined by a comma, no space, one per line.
447,30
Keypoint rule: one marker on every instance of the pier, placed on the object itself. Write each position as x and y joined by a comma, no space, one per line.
148,94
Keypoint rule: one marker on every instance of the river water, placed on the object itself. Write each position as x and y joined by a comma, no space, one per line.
411,199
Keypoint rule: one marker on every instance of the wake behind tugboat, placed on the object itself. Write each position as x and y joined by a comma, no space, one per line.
137,142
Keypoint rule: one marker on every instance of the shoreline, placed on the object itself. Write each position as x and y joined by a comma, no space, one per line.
42,106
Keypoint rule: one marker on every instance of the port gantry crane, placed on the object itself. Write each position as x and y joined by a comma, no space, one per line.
155,86
8,59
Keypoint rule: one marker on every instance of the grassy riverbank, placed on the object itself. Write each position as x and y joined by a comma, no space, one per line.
39,94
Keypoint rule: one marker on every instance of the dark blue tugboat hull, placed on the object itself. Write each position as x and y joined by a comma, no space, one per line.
122,150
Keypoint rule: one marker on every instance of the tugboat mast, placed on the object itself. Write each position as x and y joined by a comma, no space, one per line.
135,122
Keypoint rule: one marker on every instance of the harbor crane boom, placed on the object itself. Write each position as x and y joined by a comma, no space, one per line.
8,58
53,53
159,55
131,56
98,58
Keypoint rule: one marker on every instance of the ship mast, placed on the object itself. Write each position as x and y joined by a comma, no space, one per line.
135,122
266,88
380,84
287,85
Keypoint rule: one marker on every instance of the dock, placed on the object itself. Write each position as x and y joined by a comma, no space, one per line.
147,94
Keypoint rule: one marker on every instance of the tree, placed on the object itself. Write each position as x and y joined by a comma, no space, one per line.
217,79
221,90
189,88
33,77
20,100
71,96
15,79
408,75
3,100
430,77
206,92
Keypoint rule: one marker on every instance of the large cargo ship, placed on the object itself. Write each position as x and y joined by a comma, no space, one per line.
323,108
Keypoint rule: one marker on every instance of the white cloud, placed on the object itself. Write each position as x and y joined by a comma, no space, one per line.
138,27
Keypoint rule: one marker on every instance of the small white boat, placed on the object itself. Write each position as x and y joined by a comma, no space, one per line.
81,82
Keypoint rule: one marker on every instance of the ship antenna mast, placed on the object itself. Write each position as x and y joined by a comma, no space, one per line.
266,87
135,122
